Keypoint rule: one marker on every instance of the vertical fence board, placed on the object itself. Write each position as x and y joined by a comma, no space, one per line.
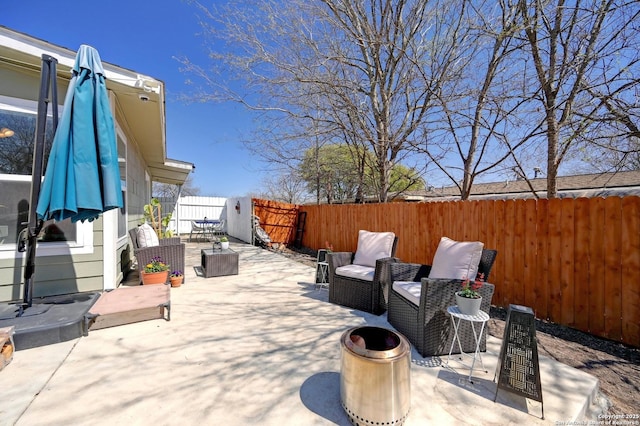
532,293
510,271
482,222
421,244
567,262
490,239
613,268
542,258
470,222
519,226
555,259
596,266
631,269
581,264
502,290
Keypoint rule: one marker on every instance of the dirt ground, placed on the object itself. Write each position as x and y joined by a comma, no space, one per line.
616,366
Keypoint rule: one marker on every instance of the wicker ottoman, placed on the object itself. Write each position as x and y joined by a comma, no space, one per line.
216,263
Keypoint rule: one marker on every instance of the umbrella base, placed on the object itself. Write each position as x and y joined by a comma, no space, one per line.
49,320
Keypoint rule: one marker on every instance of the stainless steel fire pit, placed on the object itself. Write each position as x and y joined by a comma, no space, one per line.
375,387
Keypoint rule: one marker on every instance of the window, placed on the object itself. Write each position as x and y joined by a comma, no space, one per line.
18,116
122,162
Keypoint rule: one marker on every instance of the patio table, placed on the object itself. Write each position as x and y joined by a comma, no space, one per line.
205,227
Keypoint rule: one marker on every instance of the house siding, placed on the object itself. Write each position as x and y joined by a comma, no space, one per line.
70,273
57,274
60,274
138,194
103,256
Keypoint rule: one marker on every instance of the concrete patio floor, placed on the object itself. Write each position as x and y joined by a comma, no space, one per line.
261,347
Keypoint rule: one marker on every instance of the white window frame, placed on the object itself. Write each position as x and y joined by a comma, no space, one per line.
83,243
122,240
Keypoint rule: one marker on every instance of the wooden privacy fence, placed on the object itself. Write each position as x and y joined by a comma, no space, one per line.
277,219
576,262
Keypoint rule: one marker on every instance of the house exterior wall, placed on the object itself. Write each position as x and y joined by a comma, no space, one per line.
72,266
239,218
138,188
61,267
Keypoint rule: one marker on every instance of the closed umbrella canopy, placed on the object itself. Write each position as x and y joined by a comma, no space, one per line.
82,178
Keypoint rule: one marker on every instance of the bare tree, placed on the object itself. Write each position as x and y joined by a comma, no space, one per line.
537,71
286,187
165,190
579,50
478,86
352,68
476,46
16,151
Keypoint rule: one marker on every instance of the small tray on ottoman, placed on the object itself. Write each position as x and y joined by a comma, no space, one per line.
216,263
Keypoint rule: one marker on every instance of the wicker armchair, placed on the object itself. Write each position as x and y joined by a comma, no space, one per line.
170,250
427,325
364,295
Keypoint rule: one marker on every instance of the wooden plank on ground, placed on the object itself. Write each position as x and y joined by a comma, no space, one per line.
126,305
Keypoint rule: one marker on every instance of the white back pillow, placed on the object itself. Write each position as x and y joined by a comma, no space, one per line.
373,246
456,260
147,237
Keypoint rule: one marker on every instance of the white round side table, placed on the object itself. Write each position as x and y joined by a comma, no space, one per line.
456,317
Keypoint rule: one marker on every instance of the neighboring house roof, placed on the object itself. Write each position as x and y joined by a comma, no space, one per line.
141,98
587,185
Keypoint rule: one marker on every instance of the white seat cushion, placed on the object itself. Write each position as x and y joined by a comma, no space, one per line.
147,237
358,272
410,290
373,246
456,260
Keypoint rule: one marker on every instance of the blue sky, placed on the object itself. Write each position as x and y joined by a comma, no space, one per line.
145,36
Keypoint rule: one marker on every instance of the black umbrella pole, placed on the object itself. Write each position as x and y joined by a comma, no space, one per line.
48,86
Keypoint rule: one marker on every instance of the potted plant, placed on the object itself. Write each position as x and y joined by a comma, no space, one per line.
155,272
224,243
176,278
468,299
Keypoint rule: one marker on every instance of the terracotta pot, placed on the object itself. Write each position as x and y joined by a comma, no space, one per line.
154,277
176,281
467,305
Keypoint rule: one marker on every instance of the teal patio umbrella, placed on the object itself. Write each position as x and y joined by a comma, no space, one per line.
82,177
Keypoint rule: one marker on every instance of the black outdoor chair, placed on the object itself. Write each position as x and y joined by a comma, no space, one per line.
362,294
427,325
